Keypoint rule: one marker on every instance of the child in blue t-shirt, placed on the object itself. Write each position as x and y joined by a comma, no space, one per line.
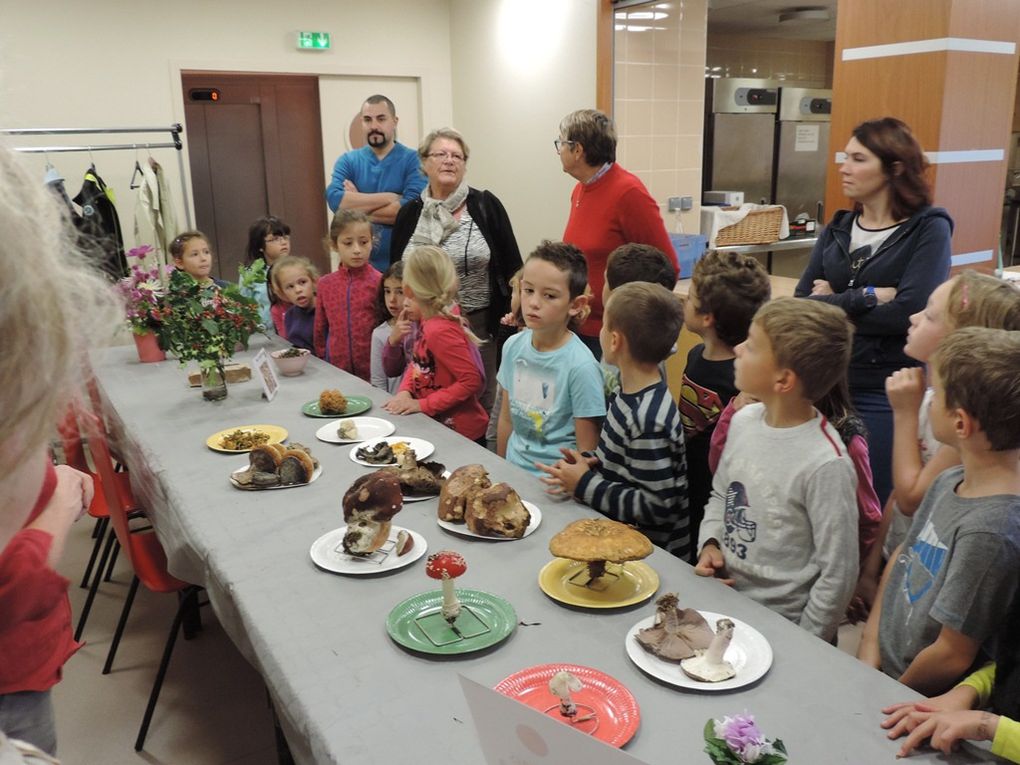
550,384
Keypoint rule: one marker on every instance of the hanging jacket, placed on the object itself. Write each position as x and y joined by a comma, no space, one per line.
154,217
100,225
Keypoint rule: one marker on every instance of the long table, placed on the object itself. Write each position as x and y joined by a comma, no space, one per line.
345,692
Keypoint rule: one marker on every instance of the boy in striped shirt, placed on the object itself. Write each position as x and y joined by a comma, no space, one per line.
638,472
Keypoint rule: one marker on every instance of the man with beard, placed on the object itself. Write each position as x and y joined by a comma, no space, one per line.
377,178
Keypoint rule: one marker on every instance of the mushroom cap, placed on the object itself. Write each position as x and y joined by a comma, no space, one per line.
564,682
591,539
374,496
445,562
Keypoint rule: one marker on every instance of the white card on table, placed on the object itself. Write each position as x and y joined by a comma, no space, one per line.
267,374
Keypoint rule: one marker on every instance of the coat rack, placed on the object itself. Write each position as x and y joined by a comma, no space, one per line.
174,130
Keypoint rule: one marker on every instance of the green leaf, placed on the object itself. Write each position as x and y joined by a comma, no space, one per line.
210,326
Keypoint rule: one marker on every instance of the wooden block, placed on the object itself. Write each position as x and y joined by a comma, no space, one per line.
235,373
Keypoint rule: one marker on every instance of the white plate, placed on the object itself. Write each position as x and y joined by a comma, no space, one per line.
422,448
749,653
368,427
315,474
462,529
327,553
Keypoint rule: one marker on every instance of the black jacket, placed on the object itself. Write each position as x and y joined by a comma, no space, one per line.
914,260
490,216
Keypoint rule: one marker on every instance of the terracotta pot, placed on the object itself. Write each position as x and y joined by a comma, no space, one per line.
148,348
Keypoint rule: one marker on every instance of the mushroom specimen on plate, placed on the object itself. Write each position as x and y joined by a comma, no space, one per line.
417,479
447,565
710,666
561,685
678,633
460,489
369,506
596,541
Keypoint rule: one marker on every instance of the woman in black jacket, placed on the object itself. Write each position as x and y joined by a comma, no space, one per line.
472,227
879,262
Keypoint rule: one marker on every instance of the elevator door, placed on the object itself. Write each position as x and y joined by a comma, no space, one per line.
256,150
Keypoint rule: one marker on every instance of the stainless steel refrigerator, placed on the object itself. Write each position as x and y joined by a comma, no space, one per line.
802,150
739,135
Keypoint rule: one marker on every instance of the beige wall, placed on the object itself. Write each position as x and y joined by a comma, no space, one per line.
519,66
805,62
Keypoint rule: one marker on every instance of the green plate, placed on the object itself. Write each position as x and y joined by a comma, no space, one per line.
355,405
484,621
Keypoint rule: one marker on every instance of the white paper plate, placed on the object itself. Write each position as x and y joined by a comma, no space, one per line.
315,474
422,448
461,529
368,428
327,553
749,653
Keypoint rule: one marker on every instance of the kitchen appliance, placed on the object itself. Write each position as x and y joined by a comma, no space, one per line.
802,150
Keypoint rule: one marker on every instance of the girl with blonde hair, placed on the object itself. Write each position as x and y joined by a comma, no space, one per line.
444,378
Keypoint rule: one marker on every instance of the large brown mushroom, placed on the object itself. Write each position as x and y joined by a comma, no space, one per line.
596,541
369,506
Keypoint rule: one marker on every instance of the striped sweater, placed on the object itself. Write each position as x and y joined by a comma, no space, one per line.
641,478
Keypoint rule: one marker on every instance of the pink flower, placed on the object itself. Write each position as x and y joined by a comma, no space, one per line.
742,735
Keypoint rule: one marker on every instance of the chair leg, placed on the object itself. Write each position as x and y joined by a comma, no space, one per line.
95,587
121,624
97,534
189,596
113,561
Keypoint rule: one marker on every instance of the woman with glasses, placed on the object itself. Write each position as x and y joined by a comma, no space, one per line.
268,241
879,262
473,228
608,207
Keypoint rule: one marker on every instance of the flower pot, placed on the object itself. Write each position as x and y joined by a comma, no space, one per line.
214,383
291,366
148,348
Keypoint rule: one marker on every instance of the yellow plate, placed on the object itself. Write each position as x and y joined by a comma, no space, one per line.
627,583
275,432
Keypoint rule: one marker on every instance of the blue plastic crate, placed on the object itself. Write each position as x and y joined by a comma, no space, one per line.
689,250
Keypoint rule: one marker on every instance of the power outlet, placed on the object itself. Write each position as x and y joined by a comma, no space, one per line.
680,204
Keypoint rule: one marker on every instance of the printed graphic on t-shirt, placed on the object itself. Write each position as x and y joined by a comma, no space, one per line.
699,407
423,374
533,398
924,560
740,530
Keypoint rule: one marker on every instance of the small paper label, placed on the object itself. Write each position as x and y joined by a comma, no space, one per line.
806,138
267,374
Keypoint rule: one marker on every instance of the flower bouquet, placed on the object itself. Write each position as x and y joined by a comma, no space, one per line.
205,324
142,292
738,741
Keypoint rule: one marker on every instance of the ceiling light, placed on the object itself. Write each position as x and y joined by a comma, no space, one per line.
804,14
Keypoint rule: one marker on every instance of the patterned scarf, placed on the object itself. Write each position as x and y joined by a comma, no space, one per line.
436,221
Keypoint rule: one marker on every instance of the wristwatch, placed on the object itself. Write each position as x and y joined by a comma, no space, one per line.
870,298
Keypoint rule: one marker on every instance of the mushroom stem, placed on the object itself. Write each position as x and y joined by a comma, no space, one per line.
451,606
721,641
596,568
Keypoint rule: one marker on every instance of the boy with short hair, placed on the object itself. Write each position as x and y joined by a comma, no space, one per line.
947,588
550,383
638,473
634,263
781,524
726,289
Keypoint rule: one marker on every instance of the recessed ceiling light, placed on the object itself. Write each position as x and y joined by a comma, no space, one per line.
812,13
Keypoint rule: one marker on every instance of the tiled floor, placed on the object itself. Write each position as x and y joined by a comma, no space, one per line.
212,710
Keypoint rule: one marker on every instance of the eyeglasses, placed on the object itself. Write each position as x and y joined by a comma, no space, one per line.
446,156
559,143
277,238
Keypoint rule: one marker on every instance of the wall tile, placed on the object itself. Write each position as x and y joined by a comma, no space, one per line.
639,81
664,118
665,85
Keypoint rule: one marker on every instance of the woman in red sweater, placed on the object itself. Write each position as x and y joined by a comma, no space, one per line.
608,206
444,377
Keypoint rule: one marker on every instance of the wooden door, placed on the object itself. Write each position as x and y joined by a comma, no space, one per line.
256,150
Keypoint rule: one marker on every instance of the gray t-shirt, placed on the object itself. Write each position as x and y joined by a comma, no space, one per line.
959,568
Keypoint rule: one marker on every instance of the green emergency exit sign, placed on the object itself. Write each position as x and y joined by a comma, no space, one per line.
313,40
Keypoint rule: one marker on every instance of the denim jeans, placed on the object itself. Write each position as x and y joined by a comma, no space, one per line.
873,407
28,716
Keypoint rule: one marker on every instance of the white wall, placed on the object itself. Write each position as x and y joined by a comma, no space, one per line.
108,63
519,66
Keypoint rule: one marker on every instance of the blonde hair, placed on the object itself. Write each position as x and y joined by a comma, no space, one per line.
429,273
54,305
811,338
980,300
292,261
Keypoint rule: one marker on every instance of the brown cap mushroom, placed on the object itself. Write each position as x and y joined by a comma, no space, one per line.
375,496
593,539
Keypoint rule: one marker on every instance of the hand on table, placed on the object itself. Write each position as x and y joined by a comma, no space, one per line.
946,729
905,389
712,563
402,403
563,477
904,718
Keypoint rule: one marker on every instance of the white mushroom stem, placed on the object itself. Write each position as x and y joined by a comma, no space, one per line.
721,641
451,606
561,685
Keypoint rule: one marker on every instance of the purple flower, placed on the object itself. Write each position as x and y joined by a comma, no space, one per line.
742,735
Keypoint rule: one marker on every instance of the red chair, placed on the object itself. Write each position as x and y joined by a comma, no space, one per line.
148,560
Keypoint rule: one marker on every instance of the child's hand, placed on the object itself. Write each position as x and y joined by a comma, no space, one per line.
564,476
903,718
946,729
72,495
711,562
743,399
905,389
403,403
401,328
508,320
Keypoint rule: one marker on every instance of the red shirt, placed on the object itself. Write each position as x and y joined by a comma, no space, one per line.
345,318
445,379
35,612
613,210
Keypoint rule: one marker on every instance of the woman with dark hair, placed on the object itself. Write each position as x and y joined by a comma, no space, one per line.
608,207
879,262
268,241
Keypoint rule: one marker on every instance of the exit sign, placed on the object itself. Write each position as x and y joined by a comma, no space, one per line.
313,40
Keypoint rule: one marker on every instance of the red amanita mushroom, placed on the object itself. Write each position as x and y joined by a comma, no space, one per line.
447,565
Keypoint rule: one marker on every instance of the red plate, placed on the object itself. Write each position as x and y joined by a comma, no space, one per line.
611,709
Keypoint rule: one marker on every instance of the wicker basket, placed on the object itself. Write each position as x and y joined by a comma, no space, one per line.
757,227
